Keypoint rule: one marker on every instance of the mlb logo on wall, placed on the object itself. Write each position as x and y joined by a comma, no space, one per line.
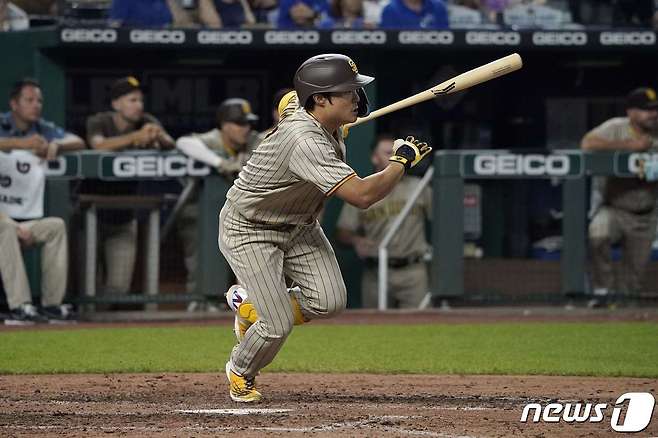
631,412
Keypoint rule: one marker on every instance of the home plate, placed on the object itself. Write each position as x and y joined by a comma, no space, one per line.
244,411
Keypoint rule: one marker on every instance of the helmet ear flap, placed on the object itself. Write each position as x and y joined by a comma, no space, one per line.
363,105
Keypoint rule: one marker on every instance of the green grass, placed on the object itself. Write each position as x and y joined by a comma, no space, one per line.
611,349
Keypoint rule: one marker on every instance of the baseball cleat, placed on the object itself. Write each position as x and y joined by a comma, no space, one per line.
245,313
242,390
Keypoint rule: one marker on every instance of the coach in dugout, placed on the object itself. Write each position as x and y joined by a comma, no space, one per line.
26,140
628,213
127,126
226,149
408,280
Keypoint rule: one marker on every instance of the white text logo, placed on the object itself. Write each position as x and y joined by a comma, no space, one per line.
362,37
494,38
230,37
150,166
628,38
426,37
293,37
157,36
638,412
531,164
89,35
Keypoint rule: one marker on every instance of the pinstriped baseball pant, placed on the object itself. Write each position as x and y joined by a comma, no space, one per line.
635,232
261,256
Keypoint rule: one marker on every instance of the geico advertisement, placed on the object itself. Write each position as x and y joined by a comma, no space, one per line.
628,164
521,165
150,166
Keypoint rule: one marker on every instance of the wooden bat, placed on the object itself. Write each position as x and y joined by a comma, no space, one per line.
497,68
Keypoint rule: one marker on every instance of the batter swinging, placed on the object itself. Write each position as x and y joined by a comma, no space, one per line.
268,227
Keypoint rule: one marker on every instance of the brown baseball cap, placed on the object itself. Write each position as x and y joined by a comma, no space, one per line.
124,86
643,98
235,110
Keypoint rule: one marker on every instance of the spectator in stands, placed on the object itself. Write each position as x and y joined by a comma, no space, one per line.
12,17
161,13
299,14
25,141
265,11
634,13
126,127
226,149
628,213
344,14
234,13
415,14
364,229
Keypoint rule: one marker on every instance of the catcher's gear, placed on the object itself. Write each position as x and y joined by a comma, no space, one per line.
330,73
409,152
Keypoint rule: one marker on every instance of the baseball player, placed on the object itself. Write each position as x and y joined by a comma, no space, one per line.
627,213
364,229
268,227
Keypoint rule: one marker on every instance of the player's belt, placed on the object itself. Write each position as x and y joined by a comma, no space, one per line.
394,262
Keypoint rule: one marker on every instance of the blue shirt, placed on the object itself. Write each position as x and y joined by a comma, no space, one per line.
331,22
232,14
141,13
48,130
285,20
396,15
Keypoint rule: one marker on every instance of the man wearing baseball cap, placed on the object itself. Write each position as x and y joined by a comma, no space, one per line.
126,127
226,148
627,213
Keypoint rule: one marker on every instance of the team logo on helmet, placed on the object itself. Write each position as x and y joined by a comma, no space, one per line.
353,66
246,108
651,94
132,81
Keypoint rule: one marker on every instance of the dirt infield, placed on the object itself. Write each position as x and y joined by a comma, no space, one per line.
354,405
150,405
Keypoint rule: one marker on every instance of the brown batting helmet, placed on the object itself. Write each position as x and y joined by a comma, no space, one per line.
329,73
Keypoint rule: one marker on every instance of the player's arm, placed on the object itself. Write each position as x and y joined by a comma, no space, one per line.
594,142
116,143
195,148
70,142
363,192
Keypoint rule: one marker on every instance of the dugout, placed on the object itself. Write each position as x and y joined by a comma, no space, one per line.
571,81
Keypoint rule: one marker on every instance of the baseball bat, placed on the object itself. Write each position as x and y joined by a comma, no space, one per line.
494,69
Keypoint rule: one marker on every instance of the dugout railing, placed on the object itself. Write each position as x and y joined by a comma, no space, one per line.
571,167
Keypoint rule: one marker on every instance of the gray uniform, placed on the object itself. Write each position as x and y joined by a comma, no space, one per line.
407,277
186,223
627,216
268,230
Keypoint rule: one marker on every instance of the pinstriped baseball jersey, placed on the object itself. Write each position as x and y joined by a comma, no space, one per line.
291,173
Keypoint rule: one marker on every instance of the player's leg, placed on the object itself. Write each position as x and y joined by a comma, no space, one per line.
51,232
12,268
409,285
257,261
604,231
120,251
369,292
311,263
639,234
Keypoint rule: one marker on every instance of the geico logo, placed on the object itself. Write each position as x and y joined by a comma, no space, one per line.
363,37
218,37
294,37
531,165
495,38
628,38
559,38
151,166
635,159
89,35
424,37
157,36
56,167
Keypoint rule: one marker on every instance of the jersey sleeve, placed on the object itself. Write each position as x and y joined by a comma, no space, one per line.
608,130
210,139
348,218
94,128
315,160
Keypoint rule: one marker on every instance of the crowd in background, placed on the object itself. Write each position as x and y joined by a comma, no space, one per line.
331,14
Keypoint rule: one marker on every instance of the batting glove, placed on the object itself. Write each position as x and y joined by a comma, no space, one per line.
409,152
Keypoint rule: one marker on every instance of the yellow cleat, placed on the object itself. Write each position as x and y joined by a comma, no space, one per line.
242,390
